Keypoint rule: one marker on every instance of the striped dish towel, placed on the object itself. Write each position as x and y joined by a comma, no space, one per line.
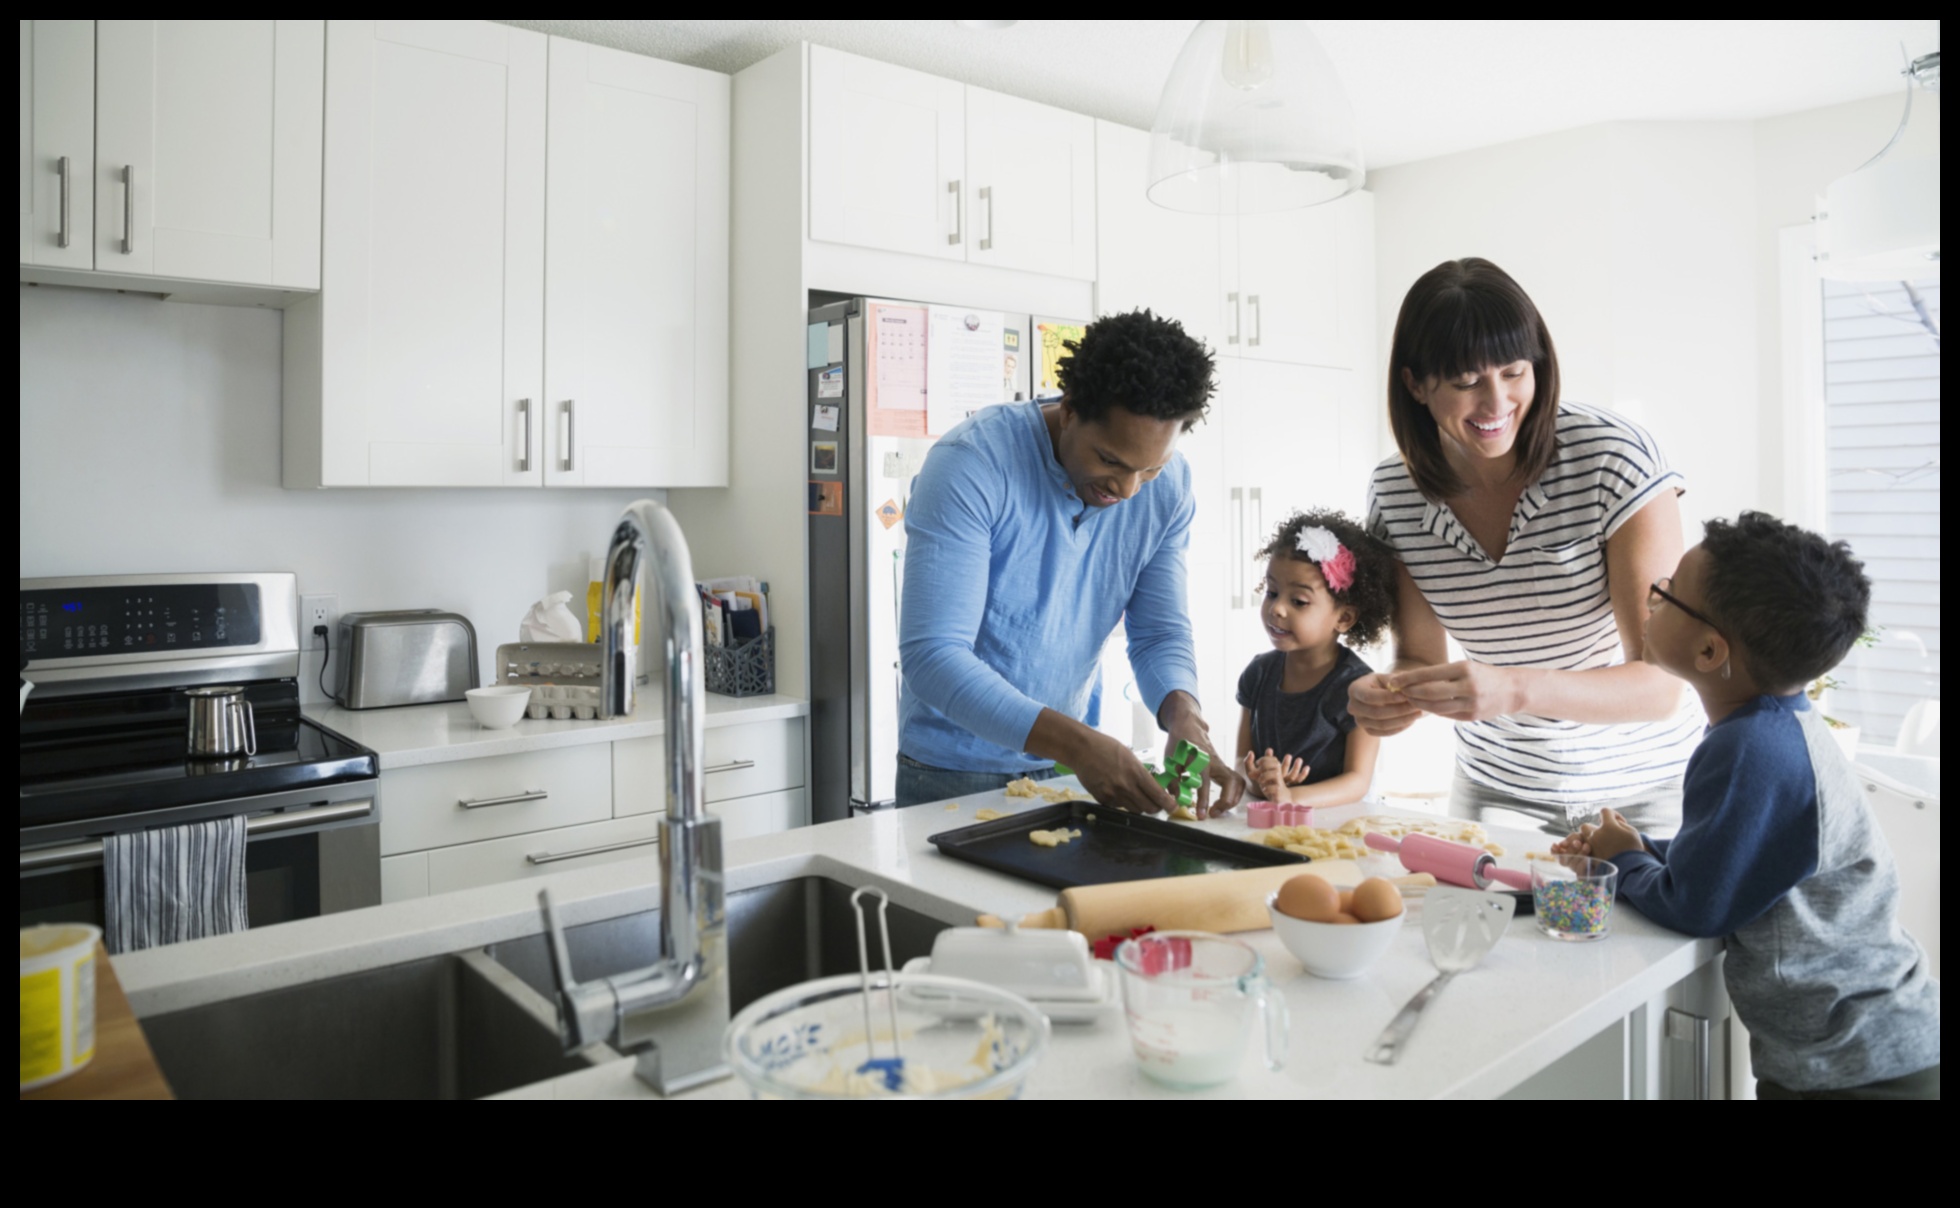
174,883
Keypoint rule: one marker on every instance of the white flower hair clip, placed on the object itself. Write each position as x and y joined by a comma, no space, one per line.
1325,550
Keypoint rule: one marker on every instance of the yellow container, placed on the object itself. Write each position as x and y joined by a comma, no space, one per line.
57,1001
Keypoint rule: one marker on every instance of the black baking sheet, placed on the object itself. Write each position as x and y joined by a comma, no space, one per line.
1115,846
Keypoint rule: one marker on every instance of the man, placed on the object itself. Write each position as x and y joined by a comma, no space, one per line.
1033,529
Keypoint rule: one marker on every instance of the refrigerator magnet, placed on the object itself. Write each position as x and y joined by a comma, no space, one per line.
826,417
889,513
830,382
826,499
823,457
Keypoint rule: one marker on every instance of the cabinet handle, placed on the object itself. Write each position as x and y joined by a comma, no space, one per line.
987,240
552,857
1258,497
959,213
1238,543
524,436
129,209
1685,1025
61,171
566,429
477,803
733,765
1258,320
1232,300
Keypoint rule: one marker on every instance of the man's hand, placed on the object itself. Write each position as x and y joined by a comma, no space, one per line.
1182,722
1115,777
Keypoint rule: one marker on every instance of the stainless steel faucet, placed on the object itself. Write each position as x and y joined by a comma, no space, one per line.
673,1012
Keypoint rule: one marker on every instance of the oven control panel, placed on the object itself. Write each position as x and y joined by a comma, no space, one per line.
138,619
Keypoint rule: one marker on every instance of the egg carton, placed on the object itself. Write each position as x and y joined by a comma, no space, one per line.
563,677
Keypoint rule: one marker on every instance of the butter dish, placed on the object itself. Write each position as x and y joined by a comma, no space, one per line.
1052,969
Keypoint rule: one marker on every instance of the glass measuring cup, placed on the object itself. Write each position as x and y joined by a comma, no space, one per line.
1189,998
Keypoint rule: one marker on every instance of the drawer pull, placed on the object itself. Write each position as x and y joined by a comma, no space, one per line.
512,799
552,857
733,765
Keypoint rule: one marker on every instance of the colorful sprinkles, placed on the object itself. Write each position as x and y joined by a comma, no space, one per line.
1572,907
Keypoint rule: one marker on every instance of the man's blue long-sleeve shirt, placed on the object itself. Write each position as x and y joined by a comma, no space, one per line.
1013,585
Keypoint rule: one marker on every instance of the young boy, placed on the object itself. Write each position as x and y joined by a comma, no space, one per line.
1777,850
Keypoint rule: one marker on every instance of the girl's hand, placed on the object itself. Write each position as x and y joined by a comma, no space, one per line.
1292,769
1379,708
1268,775
1461,691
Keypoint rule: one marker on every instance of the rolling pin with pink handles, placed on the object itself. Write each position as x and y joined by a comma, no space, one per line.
1451,863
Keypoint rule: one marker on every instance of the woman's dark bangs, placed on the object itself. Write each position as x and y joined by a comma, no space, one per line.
1474,330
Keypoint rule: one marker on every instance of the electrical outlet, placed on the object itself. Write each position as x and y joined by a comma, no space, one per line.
316,610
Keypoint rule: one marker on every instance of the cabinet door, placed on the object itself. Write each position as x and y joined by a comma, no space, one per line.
1148,256
57,143
636,271
887,157
431,338
1031,186
1282,452
207,156
1295,272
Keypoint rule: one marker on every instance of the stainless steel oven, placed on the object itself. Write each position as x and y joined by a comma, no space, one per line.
104,751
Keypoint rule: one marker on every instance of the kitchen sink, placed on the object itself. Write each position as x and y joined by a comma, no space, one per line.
778,934
475,1023
449,1027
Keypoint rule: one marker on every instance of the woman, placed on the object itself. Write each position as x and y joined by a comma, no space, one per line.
1529,530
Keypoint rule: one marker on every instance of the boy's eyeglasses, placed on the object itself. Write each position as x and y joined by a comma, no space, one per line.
1659,591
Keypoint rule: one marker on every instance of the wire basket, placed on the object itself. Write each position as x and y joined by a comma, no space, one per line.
745,670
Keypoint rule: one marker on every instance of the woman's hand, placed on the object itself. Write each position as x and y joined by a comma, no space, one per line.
1461,691
1379,708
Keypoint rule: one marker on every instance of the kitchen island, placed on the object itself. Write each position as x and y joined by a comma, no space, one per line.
1537,1017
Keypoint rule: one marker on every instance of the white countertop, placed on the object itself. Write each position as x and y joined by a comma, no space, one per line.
411,735
1530,1002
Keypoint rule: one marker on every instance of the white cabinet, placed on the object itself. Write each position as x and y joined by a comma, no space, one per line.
909,162
462,338
181,150
746,761
1294,281
636,271
440,804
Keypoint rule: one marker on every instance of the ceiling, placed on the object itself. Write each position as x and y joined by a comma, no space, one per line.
1420,88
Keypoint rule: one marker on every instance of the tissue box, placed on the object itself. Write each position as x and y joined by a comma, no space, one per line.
745,670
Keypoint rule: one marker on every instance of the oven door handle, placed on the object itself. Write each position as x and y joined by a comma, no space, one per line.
89,851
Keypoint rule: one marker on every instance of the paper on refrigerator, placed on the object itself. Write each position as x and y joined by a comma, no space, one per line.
895,390
963,364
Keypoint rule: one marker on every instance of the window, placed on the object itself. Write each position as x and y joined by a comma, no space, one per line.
1881,463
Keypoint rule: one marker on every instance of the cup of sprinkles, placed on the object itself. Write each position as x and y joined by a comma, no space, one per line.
1572,896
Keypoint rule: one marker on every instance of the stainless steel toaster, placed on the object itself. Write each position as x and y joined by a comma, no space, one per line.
416,656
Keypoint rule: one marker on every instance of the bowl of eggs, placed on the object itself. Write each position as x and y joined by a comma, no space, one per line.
1336,933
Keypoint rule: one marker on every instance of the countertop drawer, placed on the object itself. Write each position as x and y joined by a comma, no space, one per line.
521,856
762,814
760,757
505,795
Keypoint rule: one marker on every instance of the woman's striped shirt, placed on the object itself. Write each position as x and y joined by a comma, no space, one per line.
1545,604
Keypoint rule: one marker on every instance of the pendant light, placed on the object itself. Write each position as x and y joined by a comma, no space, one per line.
1253,119
1882,222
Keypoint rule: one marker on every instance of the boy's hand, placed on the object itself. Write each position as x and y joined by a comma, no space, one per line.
1578,843
1613,835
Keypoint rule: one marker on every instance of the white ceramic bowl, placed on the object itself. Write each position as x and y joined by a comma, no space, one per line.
1335,951
499,706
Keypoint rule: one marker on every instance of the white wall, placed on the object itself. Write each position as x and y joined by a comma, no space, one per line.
1652,249
1637,242
149,438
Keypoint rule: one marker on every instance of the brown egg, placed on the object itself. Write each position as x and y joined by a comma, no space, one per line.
1309,897
1376,899
1342,916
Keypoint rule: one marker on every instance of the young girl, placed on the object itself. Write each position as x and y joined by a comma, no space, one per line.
1327,582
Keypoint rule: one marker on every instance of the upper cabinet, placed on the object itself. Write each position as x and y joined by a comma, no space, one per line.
524,267
908,162
173,151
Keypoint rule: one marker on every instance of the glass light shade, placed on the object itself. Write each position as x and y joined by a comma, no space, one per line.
1253,119
1882,222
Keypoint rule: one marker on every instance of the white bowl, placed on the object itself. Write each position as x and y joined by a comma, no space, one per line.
1335,951
499,706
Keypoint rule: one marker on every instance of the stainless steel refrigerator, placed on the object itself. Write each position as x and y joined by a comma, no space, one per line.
886,380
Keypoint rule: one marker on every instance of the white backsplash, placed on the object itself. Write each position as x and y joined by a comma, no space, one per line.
149,442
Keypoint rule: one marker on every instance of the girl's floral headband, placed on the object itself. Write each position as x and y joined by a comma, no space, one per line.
1324,549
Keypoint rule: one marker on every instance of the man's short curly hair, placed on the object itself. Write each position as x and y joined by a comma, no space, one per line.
1140,362
1372,594
1792,601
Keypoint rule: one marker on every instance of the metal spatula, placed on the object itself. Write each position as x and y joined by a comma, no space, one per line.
1459,925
